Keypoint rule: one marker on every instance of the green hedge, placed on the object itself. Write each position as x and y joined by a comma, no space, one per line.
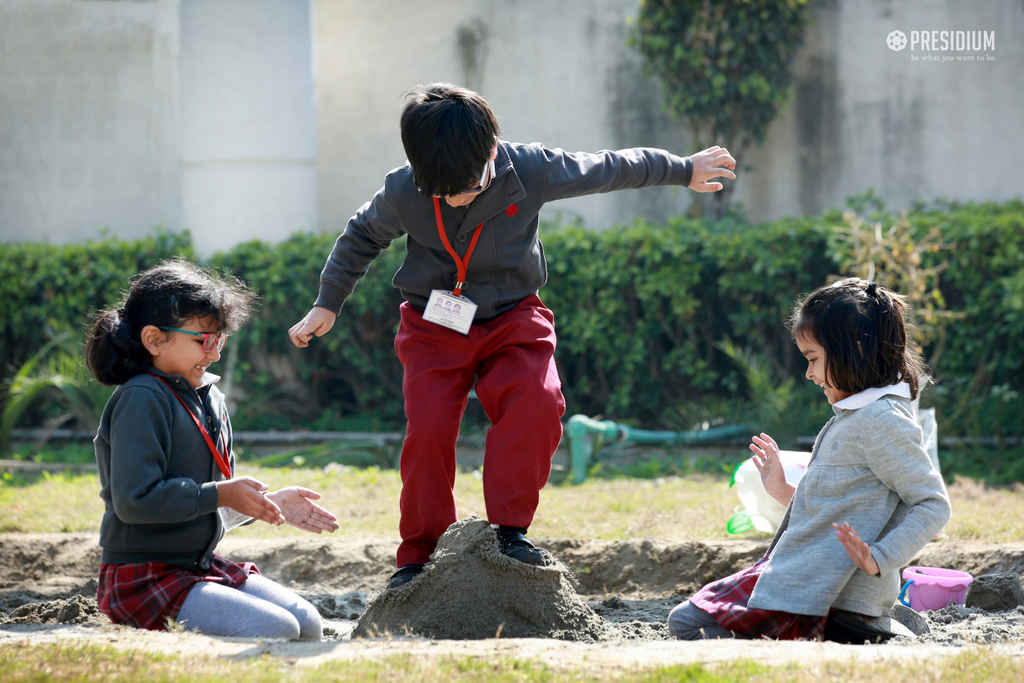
46,289
349,378
639,309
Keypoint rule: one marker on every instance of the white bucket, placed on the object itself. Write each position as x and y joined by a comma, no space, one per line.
763,512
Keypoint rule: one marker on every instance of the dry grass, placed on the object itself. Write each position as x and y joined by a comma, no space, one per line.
982,513
84,662
366,502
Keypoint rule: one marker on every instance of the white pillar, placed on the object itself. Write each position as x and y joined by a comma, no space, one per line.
248,120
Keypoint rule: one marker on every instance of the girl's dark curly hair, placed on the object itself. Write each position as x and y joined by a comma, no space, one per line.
168,295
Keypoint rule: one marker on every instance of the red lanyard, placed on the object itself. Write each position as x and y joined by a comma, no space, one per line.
221,458
460,264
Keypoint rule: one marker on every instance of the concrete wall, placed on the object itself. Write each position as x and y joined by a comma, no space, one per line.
88,134
864,116
124,114
248,122
861,116
556,72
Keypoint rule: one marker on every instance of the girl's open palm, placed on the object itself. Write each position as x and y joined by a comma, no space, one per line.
769,466
301,512
858,550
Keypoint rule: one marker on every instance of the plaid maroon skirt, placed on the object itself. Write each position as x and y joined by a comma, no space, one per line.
726,600
147,594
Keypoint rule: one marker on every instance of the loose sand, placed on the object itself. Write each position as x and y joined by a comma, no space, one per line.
600,604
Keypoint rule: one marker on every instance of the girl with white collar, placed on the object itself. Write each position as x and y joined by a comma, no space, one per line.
868,502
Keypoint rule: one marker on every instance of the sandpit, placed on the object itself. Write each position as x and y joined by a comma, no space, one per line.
604,601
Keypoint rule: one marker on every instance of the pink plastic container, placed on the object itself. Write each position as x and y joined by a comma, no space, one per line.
928,588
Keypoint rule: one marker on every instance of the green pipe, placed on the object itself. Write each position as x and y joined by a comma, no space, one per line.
643,436
582,430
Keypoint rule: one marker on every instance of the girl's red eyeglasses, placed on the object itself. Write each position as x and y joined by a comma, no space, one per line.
211,340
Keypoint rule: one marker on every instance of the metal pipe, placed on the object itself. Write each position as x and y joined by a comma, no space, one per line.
582,430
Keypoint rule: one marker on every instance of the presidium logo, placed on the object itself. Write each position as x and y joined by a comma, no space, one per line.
945,41
896,41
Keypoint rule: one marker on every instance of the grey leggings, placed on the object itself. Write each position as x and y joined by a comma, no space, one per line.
686,621
259,608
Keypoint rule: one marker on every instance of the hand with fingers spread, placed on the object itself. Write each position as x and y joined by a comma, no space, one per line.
244,495
858,550
318,321
713,162
301,512
769,466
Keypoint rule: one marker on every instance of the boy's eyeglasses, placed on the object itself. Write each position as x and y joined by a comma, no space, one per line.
484,182
211,340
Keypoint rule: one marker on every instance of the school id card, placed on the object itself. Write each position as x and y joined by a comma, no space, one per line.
447,310
232,519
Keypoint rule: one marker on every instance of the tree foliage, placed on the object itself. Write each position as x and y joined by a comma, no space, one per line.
724,67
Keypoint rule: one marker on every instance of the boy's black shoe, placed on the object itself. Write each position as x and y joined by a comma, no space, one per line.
513,544
404,576
854,629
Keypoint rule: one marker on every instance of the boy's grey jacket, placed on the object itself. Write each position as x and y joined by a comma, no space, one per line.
508,262
868,468
157,474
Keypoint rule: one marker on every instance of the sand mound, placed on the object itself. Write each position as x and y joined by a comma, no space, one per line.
74,610
471,591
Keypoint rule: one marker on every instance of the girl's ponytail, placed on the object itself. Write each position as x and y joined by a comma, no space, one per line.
895,349
112,352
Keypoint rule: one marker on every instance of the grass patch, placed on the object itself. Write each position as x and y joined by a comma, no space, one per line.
62,502
984,512
693,507
84,662
78,453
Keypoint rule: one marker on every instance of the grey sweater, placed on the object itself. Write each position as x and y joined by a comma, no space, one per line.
508,263
868,468
157,475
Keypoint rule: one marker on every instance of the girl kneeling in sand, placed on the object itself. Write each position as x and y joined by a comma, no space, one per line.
166,467
869,484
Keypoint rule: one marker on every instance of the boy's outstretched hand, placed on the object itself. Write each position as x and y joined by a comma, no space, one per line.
773,475
857,549
318,321
713,162
299,510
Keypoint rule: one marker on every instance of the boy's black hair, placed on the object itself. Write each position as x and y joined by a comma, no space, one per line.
448,133
168,295
862,328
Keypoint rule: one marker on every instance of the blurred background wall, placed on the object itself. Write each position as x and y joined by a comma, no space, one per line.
242,119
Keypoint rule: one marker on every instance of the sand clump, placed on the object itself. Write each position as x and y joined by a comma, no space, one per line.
995,592
77,609
470,591
962,625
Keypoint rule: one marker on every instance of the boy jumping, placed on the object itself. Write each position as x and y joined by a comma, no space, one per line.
469,204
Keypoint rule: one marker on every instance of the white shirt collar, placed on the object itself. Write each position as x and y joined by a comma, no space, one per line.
902,389
209,378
